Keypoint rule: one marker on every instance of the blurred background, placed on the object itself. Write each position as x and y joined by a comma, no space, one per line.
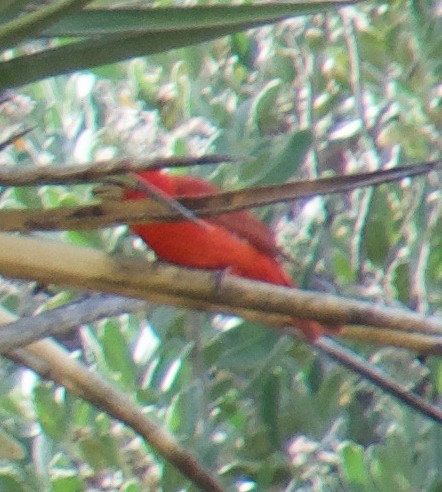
345,91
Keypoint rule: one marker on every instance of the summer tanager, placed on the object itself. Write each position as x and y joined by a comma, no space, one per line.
237,241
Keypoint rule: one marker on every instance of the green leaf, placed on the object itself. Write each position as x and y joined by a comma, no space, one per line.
72,483
380,228
313,376
343,267
183,414
353,464
273,471
393,463
244,347
52,414
264,106
278,159
90,239
116,353
244,47
25,26
131,486
100,452
10,448
362,418
210,23
147,396
402,282
10,8
11,480
93,22
271,393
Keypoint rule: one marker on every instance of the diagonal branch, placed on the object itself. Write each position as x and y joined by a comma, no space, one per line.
51,361
60,320
357,364
117,212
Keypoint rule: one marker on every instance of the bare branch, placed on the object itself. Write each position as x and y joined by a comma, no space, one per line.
117,212
420,341
61,320
51,361
103,306
357,364
63,264
94,171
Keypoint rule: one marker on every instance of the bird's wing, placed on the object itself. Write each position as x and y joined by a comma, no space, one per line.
241,223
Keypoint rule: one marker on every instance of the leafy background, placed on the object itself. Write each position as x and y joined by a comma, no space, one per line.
336,92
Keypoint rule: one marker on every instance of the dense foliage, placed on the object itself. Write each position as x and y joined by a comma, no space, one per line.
337,92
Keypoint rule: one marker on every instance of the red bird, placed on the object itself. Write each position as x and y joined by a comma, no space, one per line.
237,241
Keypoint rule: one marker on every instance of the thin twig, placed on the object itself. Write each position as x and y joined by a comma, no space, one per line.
170,203
357,364
95,171
14,138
